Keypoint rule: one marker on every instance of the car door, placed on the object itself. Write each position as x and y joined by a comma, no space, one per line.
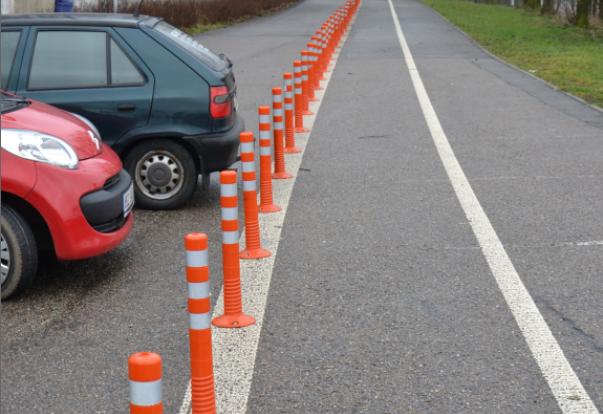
89,71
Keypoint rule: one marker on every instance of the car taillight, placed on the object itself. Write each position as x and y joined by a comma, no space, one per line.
221,104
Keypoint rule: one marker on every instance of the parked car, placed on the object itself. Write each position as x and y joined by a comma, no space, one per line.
165,103
63,190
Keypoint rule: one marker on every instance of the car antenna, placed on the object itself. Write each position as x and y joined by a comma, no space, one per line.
137,10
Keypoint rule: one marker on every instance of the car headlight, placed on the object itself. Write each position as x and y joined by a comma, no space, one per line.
89,123
36,146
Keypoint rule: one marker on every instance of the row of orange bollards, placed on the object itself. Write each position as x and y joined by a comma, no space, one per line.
289,104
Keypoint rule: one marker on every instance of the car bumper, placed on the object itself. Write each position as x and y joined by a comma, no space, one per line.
218,152
57,196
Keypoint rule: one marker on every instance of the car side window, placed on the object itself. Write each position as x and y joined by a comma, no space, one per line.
69,59
8,45
123,71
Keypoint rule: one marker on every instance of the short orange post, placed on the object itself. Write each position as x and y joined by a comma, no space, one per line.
266,202
299,98
144,374
233,303
253,247
290,147
277,128
203,396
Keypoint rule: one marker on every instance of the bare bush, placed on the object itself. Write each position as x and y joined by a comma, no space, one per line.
188,13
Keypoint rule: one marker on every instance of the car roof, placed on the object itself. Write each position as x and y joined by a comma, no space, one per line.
78,19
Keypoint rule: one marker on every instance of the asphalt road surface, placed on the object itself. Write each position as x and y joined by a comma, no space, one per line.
382,298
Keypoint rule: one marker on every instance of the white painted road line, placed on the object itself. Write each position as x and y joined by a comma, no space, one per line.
234,350
561,378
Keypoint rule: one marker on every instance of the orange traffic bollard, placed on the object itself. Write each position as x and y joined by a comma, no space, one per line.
233,303
299,97
144,374
290,147
313,69
266,203
203,396
277,128
305,84
253,247
307,80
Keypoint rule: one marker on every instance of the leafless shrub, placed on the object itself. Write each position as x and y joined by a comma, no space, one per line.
187,13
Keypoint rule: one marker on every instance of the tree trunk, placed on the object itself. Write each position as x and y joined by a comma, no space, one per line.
582,8
547,7
532,4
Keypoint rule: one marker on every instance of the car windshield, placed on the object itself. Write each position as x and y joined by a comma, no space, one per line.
10,103
187,42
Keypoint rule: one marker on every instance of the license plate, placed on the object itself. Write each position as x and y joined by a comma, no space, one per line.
128,200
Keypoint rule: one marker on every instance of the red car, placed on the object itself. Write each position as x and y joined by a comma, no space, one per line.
62,188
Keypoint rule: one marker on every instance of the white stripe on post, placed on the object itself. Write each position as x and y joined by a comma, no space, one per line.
228,190
198,290
199,321
145,393
230,213
230,237
197,258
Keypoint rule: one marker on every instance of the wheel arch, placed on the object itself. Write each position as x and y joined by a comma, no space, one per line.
124,148
32,216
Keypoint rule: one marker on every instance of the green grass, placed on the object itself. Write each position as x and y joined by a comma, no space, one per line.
202,27
566,56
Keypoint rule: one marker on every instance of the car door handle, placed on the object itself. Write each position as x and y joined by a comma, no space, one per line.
126,107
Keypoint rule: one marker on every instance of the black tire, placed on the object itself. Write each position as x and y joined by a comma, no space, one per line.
165,160
22,252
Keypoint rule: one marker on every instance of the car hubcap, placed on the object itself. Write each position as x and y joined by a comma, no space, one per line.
159,175
4,259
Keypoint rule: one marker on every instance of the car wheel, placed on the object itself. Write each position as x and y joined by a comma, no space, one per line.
19,253
164,174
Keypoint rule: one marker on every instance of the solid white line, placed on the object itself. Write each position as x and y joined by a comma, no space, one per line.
563,382
234,350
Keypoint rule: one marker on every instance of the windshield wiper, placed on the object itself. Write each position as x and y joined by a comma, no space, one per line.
16,100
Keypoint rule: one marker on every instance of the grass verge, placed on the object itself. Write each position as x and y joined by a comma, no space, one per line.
568,57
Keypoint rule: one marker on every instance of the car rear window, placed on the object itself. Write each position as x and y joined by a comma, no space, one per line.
187,42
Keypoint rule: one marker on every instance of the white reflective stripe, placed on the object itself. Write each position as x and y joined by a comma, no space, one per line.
278,112
198,321
248,166
278,125
297,69
230,237
145,393
265,151
230,213
277,98
289,82
289,95
304,59
305,77
228,190
264,119
249,185
298,91
288,107
247,147
198,290
264,135
197,258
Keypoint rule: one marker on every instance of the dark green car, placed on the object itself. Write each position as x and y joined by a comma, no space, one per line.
165,103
